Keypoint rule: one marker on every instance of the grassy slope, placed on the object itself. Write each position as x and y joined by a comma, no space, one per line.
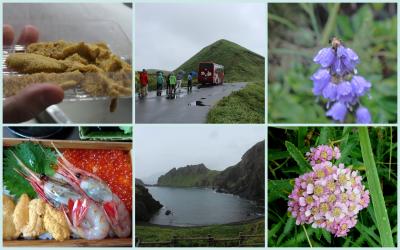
240,63
186,180
151,233
243,106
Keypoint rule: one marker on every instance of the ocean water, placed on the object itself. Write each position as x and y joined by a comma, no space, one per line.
201,206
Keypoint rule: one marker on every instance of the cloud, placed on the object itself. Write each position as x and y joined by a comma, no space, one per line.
160,148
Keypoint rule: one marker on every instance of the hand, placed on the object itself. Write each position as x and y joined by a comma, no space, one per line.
35,98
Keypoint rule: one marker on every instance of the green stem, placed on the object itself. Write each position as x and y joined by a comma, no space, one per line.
308,238
378,202
309,9
282,20
390,152
330,24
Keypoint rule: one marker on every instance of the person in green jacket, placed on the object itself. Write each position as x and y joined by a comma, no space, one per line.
172,83
160,83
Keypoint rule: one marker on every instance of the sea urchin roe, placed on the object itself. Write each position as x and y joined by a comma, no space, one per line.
112,166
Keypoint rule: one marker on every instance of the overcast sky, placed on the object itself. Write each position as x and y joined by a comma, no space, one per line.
169,34
159,148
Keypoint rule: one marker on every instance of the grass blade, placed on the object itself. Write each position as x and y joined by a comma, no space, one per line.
378,201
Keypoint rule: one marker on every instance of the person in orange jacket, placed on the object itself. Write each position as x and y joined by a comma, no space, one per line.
144,82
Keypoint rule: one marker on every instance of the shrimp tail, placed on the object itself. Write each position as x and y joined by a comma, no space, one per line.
118,217
77,210
111,211
73,228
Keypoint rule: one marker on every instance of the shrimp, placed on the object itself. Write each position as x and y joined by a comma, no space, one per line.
84,217
116,212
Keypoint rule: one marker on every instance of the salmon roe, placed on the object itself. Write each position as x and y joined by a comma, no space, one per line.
112,166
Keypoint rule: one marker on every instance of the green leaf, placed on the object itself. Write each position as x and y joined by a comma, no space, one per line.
298,238
298,157
344,26
327,236
370,231
278,189
301,134
290,222
277,155
323,137
38,159
274,230
378,201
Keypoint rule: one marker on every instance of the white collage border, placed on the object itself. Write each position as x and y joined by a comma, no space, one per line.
266,123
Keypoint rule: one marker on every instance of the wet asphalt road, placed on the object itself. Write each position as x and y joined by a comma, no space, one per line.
183,109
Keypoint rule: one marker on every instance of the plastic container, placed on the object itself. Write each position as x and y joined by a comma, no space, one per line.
90,31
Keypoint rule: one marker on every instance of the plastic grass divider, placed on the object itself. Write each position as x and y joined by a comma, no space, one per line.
382,219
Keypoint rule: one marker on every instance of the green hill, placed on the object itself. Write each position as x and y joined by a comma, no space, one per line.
189,176
240,63
245,179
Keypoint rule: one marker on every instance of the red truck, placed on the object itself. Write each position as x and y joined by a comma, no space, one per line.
210,73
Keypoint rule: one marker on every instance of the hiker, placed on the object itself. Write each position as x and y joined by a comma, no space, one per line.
172,83
168,85
160,83
144,82
179,79
189,83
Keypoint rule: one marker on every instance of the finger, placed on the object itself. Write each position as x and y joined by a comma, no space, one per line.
31,101
8,35
30,34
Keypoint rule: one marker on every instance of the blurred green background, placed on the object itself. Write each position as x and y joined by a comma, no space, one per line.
297,31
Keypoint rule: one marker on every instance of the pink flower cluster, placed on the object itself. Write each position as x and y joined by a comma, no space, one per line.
322,154
329,197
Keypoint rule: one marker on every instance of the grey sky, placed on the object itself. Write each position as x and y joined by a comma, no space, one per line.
169,34
160,148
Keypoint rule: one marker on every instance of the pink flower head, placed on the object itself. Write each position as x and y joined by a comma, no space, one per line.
330,196
322,153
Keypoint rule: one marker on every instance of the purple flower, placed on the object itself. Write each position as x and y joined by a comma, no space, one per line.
330,91
325,57
338,112
341,60
321,78
346,61
336,80
360,85
363,115
345,93
351,59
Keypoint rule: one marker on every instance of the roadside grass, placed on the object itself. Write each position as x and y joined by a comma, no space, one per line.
243,106
153,233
